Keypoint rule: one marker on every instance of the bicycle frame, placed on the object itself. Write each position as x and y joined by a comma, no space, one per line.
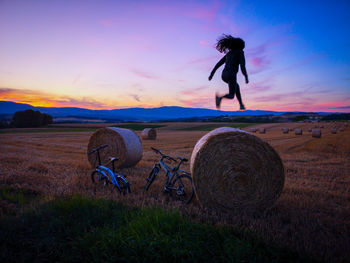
170,173
105,172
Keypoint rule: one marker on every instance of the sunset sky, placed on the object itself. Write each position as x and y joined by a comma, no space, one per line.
118,54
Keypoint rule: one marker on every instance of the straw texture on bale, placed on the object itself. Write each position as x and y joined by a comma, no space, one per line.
122,143
262,130
235,171
334,130
316,133
149,134
298,131
285,130
253,129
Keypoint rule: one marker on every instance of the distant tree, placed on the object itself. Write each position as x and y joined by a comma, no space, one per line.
30,118
46,119
339,116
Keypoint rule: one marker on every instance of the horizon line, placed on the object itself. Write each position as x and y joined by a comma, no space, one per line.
171,106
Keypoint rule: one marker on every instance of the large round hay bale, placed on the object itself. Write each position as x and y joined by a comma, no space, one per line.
233,170
149,134
285,130
316,133
309,130
341,129
298,131
334,130
122,143
262,130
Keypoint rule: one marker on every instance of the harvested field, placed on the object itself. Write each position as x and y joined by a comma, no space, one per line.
311,217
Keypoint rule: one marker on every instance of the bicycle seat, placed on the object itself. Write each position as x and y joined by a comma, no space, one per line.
113,159
182,159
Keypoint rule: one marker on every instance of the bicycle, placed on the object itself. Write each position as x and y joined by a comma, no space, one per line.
104,175
177,180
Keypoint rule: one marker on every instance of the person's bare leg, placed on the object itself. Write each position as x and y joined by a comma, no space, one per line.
239,97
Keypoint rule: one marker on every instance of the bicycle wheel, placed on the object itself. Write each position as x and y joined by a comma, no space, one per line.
123,184
182,188
99,179
150,178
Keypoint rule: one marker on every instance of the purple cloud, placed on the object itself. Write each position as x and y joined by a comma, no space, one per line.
340,108
135,97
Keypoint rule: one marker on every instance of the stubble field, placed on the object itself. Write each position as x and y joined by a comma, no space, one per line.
311,217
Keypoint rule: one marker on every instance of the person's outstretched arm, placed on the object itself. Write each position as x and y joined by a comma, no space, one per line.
218,65
243,69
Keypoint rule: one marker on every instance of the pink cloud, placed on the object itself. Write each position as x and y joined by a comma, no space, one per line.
144,74
106,22
194,91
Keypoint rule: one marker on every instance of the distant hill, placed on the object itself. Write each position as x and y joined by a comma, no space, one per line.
130,114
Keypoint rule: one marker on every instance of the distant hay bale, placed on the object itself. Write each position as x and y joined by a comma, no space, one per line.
322,126
298,132
285,130
341,129
334,130
233,170
309,130
253,130
122,143
291,129
346,124
262,130
149,134
316,133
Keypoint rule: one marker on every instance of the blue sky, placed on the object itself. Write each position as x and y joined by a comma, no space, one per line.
117,54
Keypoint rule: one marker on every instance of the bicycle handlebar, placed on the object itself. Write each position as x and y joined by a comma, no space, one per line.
163,155
98,148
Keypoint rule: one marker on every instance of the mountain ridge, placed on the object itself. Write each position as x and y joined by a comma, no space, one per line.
133,114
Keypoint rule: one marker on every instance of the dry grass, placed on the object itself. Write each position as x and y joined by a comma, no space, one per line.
312,216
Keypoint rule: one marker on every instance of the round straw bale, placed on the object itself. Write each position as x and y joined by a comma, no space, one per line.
233,170
262,130
253,130
309,130
334,130
316,133
291,129
285,130
149,134
298,131
122,143
341,129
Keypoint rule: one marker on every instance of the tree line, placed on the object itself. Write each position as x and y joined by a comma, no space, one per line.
30,118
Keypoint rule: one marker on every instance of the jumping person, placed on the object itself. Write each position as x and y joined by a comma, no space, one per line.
234,56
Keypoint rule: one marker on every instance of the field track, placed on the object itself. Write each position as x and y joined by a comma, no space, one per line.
311,217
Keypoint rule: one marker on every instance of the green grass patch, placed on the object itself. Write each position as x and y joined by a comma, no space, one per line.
209,127
80,229
138,126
